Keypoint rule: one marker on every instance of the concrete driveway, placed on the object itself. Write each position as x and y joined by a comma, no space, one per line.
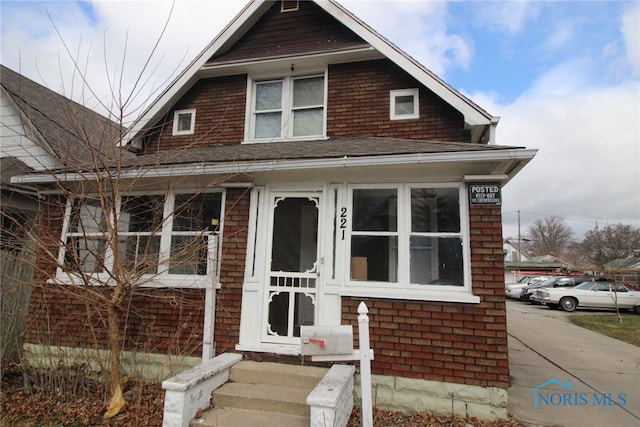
564,375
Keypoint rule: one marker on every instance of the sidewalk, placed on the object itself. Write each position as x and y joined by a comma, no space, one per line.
546,351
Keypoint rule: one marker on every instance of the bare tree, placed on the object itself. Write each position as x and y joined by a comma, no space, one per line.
608,243
104,237
549,236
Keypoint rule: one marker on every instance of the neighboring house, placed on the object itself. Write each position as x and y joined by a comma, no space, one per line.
513,252
538,265
625,270
337,170
39,132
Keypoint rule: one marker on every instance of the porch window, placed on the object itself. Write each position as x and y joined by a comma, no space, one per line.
289,107
160,235
407,237
139,227
193,214
86,237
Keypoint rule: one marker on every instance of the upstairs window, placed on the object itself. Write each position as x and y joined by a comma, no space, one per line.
404,104
184,122
288,107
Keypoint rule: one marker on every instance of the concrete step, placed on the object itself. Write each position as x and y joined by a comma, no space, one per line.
263,394
262,397
234,417
305,377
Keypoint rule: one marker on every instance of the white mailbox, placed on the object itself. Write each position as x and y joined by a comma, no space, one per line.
325,340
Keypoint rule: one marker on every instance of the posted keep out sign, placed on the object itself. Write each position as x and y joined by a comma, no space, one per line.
485,194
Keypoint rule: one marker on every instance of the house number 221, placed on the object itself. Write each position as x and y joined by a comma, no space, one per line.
343,221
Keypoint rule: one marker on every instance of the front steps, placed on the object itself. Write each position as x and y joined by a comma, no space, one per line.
263,394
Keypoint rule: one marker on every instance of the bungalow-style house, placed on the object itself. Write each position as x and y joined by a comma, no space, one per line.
325,168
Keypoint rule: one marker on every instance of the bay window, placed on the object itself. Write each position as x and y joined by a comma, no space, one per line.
164,235
406,237
288,107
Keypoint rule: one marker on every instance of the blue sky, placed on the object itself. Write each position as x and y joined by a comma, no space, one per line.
563,76
507,59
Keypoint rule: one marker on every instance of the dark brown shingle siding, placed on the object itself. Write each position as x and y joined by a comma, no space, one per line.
310,29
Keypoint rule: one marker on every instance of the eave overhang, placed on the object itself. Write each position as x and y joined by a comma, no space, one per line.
505,164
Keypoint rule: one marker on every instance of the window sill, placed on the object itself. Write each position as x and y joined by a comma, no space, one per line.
276,140
160,281
426,295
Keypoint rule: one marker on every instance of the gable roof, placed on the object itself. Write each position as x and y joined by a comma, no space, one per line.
482,124
69,132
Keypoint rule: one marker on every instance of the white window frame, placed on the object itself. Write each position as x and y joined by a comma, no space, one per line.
402,288
176,121
162,278
394,94
287,109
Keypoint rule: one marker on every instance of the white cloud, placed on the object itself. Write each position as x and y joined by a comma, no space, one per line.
631,33
507,16
120,34
588,163
420,29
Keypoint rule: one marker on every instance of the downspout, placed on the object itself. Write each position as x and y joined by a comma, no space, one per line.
208,343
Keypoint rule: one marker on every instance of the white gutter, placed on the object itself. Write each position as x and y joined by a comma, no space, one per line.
287,165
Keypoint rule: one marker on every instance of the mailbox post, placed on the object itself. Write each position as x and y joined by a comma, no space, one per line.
335,343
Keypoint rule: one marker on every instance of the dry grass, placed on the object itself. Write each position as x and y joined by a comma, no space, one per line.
608,324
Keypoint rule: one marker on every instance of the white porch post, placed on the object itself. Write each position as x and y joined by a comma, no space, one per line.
365,365
208,351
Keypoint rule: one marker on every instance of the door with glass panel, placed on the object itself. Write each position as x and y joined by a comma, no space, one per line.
292,271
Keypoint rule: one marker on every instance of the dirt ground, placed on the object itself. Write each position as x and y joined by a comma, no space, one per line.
25,405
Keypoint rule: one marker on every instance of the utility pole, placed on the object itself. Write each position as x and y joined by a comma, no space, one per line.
519,239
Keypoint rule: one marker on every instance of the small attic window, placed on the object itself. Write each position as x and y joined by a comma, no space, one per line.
404,104
289,6
184,122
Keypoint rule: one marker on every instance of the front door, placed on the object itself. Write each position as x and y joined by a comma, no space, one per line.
292,272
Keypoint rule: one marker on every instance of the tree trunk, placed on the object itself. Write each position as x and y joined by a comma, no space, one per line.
117,400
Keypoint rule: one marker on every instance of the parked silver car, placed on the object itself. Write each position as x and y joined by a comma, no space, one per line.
532,293
512,290
592,295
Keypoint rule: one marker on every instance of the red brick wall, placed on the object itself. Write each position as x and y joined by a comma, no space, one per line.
167,321
234,250
153,320
220,110
358,104
452,342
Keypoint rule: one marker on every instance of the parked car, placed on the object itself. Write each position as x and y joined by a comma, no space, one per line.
512,290
592,295
528,292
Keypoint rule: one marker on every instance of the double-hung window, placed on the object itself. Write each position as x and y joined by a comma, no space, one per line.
86,238
139,230
288,107
195,218
407,237
162,235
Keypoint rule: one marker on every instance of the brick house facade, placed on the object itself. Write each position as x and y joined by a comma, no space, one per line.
342,170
